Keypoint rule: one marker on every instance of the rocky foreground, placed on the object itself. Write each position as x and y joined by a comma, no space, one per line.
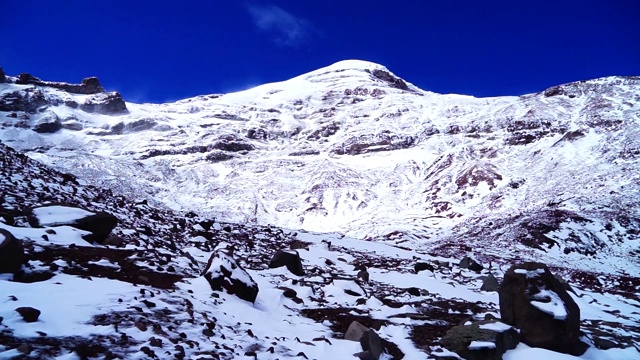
89,274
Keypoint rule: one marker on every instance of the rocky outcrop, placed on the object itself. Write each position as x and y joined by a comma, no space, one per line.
48,123
224,273
534,301
27,100
3,76
484,340
99,224
391,80
11,252
289,259
106,104
89,86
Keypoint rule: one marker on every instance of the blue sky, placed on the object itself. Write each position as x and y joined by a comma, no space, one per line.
154,51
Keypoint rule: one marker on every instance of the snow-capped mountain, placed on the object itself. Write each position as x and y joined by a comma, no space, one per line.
352,148
382,188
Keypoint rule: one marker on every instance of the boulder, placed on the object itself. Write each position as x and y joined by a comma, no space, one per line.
484,340
355,331
471,264
490,283
371,344
11,252
421,266
28,314
291,260
48,123
224,273
534,301
99,224
105,103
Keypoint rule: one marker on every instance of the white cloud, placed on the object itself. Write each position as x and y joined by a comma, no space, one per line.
287,29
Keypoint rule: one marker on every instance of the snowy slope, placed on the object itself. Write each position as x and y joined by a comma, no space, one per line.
351,148
147,299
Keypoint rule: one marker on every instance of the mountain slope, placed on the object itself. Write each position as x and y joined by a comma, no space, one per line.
352,148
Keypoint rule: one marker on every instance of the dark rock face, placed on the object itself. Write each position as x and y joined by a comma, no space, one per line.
106,104
224,273
469,263
11,252
49,123
493,339
28,101
490,284
90,85
372,345
3,76
28,314
390,79
290,260
534,301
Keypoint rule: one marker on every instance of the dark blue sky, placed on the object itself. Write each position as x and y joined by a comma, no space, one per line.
156,51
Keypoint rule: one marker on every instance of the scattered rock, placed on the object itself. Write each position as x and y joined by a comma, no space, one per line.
291,260
11,252
223,273
28,314
24,348
534,301
471,264
484,340
490,284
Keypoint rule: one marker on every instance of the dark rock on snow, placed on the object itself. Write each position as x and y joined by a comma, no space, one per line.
471,264
423,266
372,345
291,260
534,301
28,314
490,284
11,252
492,340
224,273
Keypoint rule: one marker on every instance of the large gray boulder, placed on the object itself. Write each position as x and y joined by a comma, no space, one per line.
534,301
